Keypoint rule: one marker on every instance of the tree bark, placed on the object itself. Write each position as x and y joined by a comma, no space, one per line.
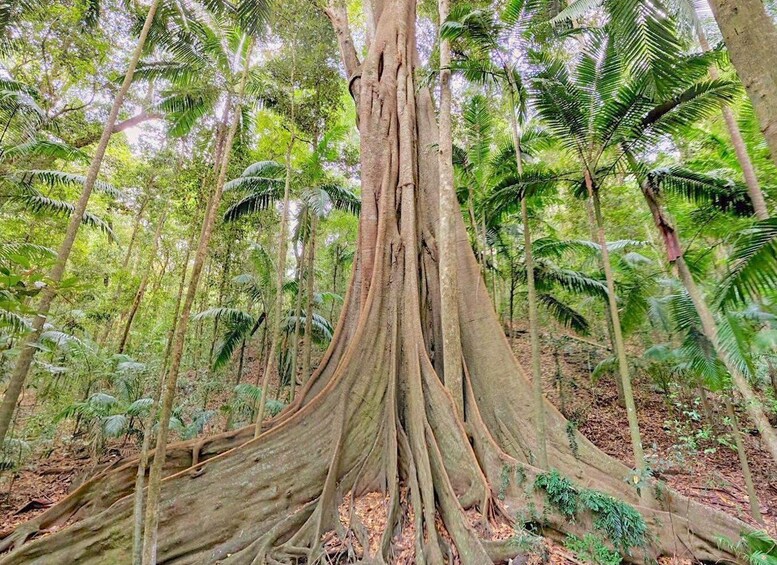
751,39
738,142
24,361
449,212
620,348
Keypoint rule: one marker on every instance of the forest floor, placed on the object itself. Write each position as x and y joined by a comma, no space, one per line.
682,451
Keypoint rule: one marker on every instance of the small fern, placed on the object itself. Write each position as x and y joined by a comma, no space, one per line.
560,492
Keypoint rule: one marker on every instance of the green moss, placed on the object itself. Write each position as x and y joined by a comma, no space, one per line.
572,437
520,475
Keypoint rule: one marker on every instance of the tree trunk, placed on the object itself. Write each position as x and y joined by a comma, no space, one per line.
751,39
620,348
150,530
740,148
534,332
755,510
449,213
272,361
608,315
24,361
307,339
143,457
297,315
376,412
143,284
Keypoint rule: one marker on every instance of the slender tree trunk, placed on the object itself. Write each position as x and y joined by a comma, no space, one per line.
608,315
272,365
168,392
738,142
238,379
620,349
143,284
140,477
772,375
297,316
24,361
335,262
709,327
310,273
751,39
449,212
752,402
755,510
534,333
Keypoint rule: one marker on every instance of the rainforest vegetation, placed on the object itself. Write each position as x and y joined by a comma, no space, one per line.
388,281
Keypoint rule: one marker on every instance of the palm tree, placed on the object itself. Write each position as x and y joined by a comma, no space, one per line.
617,117
598,112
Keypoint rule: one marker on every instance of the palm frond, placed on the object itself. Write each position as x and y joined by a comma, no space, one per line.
723,194
564,314
254,202
15,251
59,178
36,203
753,270
45,148
13,321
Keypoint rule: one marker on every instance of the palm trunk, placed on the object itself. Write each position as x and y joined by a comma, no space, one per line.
297,316
608,315
755,510
752,402
209,220
620,349
751,39
24,362
449,213
740,148
534,334
272,365
307,339
143,284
